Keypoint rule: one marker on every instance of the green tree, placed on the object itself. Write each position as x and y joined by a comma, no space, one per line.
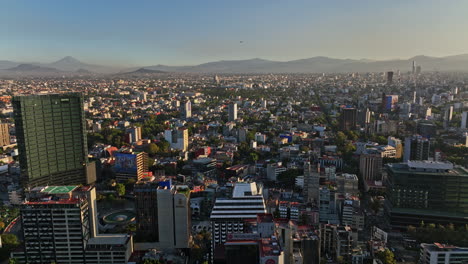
12,261
254,157
289,177
10,240
340,138
120,189
152,149
164,146
386,256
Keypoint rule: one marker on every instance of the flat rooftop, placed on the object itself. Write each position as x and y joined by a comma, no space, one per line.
429,168
118,239
442,247
242,190
59,189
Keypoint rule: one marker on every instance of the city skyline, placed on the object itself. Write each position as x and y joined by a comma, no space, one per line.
150,33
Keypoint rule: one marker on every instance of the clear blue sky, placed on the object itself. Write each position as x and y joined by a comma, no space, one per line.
177,32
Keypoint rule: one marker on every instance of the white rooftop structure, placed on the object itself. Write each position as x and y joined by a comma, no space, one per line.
431,165
244,190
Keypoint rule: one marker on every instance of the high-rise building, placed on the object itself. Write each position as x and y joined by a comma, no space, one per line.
232,112
448,113
389,77
186,109
228,215
390,102
370,167
59,224
418,69
364,117
464,120
311,183
4,134
442,254
429,191
163,214
50,131
178,138
348,118
130,165
413,70
396,143
134,134
416,148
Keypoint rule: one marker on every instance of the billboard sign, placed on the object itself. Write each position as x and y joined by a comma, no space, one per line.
379,234
125,163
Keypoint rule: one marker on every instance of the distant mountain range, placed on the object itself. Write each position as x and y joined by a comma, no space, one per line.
70,65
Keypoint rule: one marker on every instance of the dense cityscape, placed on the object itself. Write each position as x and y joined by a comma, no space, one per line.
233,132
235,168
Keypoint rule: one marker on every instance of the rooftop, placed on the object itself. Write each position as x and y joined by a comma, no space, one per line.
244,190
443,247
117,239
59,189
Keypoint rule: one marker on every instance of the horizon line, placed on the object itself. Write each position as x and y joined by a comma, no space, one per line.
225,60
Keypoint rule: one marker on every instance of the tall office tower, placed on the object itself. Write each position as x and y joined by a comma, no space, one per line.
348,118
163,214
178,138
175,103
464,120
397,144
186,110
130,165
414,97
4,134
311,183
216,79
50,131
418,69
442,253
389,77
59,224
413,70
228,214
232,112
389,102
263,103
448,113
416,148
429,191
134,134
370,167
364,117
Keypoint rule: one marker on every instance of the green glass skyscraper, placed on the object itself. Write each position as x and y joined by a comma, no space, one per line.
50,132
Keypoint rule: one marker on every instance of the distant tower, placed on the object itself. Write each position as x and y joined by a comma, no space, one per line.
187,109
216,79
389,77
464,120
414,67
4,135
311,183
416,148
232,111
348,119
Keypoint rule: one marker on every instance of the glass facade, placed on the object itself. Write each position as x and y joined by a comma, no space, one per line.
50,131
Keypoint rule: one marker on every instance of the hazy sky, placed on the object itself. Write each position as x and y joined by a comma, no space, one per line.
195,31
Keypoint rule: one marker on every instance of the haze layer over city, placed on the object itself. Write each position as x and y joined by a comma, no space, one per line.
206,132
